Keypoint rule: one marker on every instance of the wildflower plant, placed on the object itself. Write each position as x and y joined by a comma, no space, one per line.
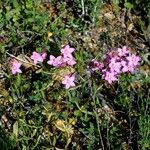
116,63
66,59
48,99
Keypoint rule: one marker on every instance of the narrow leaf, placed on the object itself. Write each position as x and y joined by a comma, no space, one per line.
15,128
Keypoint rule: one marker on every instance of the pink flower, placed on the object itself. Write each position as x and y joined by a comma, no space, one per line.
55,61
61,61
69,60
127,66
51,60
133,60
44,54
131,67
104,70
123,51
68,81
116,63
124,66
112,55
67,50
58,61
110,77
36,57
65,59
114,66
15,66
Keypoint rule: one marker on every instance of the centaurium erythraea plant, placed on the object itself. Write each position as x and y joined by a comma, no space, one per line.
116,63
66,59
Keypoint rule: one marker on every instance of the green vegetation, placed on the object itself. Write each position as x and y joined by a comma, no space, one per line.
37,112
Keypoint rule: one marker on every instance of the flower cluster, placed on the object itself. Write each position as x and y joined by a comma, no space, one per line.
65,59
116,63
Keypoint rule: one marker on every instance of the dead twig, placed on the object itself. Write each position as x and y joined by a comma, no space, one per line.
11,55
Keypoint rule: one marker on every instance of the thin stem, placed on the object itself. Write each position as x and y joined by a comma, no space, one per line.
97,121
82,110
96,115
82,4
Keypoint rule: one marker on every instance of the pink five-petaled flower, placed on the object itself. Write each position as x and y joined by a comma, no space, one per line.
110,77
55,61
69,60
114,66
58,61
15,66
36,57
123,51
133,60
67,50
51,60
69,81
124,66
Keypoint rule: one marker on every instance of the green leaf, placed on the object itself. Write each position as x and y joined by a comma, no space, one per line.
116,1
24,147
15,128
18,80
128,5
